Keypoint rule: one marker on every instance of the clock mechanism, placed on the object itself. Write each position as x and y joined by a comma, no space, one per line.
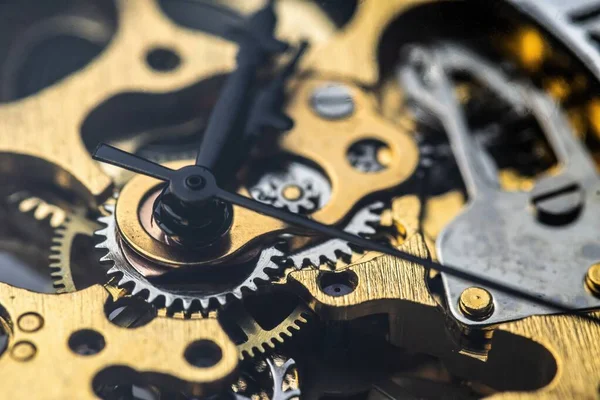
298,199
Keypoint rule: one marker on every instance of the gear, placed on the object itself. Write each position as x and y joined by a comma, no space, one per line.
255,338
190,299
40,209
282,373
293,186
330,251
60,258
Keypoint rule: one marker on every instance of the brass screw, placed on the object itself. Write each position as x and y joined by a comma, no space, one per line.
30,322
23,351
476,303
592,279
292,192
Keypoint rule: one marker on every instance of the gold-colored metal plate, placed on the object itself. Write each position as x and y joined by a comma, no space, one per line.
39,362
47,125
326,142
352,53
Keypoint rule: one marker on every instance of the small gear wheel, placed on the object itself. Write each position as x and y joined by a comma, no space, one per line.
291,185
187,296
61,265
253,339
299,197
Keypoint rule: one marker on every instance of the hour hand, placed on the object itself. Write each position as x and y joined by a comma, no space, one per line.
111,155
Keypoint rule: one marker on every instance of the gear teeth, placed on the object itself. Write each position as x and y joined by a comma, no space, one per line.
292,324
204,303
136,290
187,304
332,250
137,284
152,296
169,300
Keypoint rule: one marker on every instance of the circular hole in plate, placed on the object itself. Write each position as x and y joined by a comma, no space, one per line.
203,353
338,283
86,342
162,59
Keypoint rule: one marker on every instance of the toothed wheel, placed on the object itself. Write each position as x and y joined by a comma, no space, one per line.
330,251
61,265
291,185
179,296
254,338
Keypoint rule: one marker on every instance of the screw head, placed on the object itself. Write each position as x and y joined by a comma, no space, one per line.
592,279
332,101
30,322
23,351
476,303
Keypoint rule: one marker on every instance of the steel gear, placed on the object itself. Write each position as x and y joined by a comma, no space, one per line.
330,251
189,299
293,186
282,372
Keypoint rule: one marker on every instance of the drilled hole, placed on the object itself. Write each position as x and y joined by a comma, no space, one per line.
338,284
130,312
203,354
162,59
369,156
86,342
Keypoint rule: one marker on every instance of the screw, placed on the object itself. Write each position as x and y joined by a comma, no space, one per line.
557,200
476,303
332,101
23,351
30,322
592,279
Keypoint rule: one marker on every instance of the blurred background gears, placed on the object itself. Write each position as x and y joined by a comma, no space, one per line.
274,377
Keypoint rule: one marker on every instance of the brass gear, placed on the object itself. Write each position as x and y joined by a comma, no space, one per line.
260,340
62,243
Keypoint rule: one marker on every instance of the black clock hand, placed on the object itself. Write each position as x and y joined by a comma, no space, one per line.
229,114
266,112
179,181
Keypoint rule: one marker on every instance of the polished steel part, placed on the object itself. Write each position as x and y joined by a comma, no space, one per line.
500,233
332,101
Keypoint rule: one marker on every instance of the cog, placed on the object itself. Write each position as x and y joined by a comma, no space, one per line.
293,186
39,208
330,251
190,300
60,257
282,373
259,340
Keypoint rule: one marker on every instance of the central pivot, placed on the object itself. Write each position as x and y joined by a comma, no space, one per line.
184,218
195,182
